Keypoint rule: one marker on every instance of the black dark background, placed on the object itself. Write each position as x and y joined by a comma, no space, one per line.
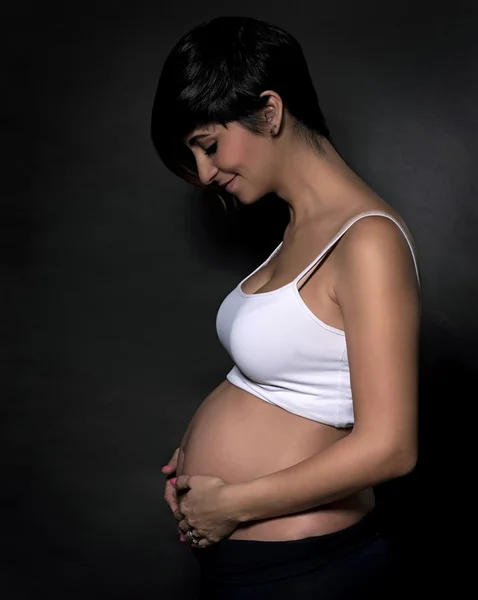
113,271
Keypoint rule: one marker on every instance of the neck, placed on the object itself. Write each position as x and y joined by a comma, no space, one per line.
314,186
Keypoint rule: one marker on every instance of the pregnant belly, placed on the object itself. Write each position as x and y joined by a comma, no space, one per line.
238,437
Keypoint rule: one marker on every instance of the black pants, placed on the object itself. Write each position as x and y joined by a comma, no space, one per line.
352,563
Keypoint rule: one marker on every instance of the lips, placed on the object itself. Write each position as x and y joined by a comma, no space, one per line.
230,185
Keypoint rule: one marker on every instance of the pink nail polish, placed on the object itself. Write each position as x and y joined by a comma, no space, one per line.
181,538
173,480
165,467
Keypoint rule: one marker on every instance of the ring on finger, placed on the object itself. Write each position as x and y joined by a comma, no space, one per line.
191,537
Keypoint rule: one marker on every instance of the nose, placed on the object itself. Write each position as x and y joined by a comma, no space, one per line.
206,171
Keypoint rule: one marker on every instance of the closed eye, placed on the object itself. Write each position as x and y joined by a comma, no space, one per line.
211,150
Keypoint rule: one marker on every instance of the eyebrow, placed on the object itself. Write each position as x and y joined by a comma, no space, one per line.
193,140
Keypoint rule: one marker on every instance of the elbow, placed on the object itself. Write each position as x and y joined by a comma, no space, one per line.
401,461
404,463
390,457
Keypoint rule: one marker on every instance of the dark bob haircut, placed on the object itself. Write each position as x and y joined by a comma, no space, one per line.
215,74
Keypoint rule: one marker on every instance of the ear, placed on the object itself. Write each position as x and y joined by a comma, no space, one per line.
273,111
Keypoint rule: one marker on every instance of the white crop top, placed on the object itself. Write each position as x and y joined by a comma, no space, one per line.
286,355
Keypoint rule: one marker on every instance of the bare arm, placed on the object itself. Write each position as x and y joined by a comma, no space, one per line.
379,299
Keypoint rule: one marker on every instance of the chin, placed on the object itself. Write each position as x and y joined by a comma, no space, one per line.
248,199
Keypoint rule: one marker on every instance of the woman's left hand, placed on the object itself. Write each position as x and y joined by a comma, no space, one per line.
204,508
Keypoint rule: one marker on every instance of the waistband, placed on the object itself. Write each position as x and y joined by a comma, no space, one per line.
236,562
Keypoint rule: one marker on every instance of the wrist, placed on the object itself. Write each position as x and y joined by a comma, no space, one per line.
236,495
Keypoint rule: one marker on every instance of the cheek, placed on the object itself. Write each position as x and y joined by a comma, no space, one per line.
233,159
251,157
243,155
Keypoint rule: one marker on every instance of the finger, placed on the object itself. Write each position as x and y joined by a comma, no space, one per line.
178,515
171,497
172,464
184,526
182,482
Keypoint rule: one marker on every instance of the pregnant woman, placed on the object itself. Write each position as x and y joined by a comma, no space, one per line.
272,484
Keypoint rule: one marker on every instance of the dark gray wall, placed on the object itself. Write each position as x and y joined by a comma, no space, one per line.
114,271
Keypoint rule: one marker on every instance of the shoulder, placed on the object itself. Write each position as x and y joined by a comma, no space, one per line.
375,230
375,242
374,254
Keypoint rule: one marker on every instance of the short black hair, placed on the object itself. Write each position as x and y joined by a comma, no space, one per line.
215,74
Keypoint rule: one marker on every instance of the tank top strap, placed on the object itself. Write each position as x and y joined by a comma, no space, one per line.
268,259
316,262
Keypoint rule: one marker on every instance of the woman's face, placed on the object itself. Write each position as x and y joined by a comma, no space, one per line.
234,156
